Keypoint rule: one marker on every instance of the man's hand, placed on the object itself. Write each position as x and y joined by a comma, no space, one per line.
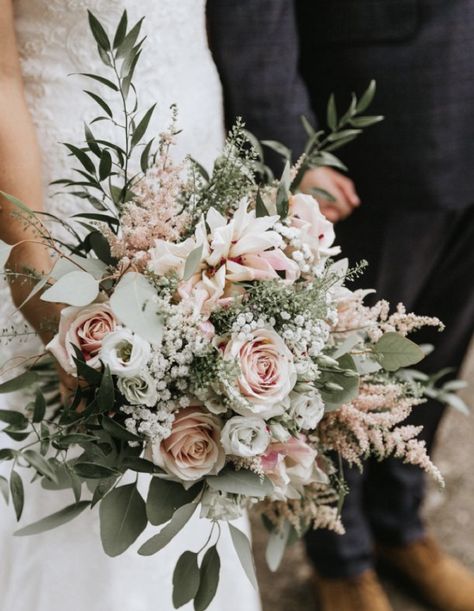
337,185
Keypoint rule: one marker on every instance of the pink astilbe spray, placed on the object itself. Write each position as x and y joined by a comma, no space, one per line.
154,213
371,424
376,320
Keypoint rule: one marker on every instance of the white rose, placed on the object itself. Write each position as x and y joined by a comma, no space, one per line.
245,436
139,390
267,369
306,407
125,353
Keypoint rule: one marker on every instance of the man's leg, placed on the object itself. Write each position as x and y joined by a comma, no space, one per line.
337,556
395,491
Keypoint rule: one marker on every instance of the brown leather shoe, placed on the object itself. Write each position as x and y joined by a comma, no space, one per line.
361,593
438,578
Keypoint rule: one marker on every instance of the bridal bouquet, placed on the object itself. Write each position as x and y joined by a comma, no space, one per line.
218,352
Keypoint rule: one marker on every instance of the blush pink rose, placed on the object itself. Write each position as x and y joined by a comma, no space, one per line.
316,231
268,372
290,466
84,328
193,449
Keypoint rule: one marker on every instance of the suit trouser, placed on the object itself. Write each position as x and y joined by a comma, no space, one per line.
424,259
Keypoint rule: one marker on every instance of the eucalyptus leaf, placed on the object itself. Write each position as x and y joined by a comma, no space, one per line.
166,497
455,402
309,129
177,523
81,156
366,98
145,156
193,262
129,41
326,158
40,464
241,482
54,520
25,379
92,470
98,32
185,579
209,579
395,351
64,266
121,30
118,431
331,113
278,147
122,519
139,465
4,489
7,454
277,543
101,247
100,79
323,194
106,392
39,407
347,345
17,203
283,192
141,128
5,250
75,288
341,387
366,121
455,385
244,552
18,493
133,303
260,208
105,165
13,418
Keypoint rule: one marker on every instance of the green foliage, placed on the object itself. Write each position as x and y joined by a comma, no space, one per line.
192,263
277,543
77,288
185,579
18,493
244,552
241,482
339,384
54,520
165,497
133,304
208,579
167,534
395,351
122,519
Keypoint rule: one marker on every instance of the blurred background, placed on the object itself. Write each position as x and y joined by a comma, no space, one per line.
449,514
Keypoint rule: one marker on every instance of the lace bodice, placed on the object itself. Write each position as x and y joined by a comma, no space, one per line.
175,67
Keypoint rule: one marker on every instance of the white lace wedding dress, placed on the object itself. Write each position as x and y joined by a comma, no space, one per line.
66,568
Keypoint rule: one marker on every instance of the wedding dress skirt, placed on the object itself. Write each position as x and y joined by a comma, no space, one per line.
66,568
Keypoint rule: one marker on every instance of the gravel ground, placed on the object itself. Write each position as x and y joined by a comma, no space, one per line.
448,512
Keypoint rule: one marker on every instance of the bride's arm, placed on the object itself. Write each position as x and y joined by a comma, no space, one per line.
20,175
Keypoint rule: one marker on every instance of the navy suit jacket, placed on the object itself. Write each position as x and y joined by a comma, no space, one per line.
279,59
